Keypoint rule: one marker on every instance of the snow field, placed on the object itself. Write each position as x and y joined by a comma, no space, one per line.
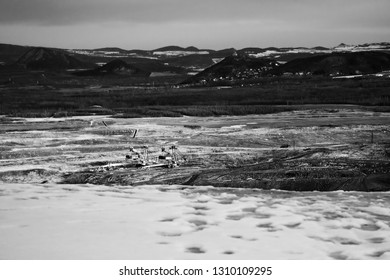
177,222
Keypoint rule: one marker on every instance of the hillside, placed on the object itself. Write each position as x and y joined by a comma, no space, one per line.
383,46
337,63
191,62
50,59
115,67
234,68
10,53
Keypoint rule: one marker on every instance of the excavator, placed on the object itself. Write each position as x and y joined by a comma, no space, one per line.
144,158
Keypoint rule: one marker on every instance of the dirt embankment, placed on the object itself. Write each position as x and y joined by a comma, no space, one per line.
286,170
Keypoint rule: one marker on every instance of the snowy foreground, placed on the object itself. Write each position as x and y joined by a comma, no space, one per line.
176,222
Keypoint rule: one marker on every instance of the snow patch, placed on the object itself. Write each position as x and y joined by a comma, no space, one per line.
179,53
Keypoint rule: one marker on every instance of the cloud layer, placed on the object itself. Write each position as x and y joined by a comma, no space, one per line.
213,17
68,12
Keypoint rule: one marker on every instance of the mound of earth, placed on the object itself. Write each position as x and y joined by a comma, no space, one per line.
50,59
285,174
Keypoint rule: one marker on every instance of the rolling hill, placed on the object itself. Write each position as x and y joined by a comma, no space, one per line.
337,63
234,68
115,67
176,48
175,60
10,53
50,59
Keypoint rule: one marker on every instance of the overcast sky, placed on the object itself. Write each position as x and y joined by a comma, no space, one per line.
217,24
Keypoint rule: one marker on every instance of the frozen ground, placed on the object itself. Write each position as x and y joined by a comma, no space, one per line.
174,222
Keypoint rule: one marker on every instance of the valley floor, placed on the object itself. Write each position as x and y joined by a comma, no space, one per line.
324,148
226,201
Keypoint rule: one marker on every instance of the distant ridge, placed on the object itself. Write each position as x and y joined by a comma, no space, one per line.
49,59
110,49
192,49
175,48
251,50
320,48
170,59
